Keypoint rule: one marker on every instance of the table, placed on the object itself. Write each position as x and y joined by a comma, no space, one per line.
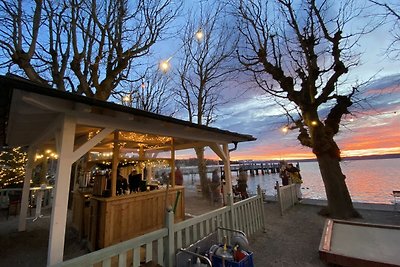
355,244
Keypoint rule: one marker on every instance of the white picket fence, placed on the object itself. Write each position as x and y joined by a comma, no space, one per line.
287,196
161,246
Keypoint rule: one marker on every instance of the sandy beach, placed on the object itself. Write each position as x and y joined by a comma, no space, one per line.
289,240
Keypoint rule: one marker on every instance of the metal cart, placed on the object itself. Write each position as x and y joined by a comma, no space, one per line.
189,256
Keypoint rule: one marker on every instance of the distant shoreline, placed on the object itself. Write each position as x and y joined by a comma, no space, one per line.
386,156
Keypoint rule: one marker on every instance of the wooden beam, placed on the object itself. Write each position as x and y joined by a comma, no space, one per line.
152,126
83,149
218,150
61,192
114,166
227,170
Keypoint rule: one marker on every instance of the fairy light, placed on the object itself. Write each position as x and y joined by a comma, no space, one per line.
12,162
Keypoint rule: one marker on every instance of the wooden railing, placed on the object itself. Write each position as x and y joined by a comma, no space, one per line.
4,193
161,246
287,196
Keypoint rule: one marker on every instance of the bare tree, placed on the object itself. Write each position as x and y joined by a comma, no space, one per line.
86,46
391,16
206,65
299,52
152,93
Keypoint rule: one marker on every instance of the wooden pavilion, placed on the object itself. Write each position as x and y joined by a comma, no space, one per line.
40,117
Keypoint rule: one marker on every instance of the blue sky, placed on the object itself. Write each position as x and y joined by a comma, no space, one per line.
373,128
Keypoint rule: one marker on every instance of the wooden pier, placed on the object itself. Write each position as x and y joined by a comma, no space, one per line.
256,167
251,167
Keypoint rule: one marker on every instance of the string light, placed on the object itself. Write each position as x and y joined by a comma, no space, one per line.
12,162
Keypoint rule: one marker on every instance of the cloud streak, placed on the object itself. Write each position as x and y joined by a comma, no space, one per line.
373,128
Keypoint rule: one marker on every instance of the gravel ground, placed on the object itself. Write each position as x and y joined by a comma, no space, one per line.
289,240
293,240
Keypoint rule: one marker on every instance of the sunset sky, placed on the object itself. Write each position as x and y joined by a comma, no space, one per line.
372,128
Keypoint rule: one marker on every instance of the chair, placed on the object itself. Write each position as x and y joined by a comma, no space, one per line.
14,204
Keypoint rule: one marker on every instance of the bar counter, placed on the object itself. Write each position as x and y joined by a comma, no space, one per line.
108,221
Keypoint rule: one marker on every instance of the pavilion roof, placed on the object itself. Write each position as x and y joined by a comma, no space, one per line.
29,110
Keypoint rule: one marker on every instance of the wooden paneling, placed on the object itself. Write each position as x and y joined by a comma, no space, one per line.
80,214
121,218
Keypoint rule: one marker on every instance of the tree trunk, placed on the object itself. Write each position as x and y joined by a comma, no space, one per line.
340,205
202,171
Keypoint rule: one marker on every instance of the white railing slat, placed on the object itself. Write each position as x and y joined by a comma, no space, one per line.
246,215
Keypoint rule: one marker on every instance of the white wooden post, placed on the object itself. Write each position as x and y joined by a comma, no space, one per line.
172,163
228,176
25,190
278,194
170,251
260,194
60,203
233,222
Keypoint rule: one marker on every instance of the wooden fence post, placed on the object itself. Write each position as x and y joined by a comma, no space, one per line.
261,203
232,209
278,193
170,251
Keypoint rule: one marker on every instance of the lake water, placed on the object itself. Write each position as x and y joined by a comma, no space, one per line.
369,181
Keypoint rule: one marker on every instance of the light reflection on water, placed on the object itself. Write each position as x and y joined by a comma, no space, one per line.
368,180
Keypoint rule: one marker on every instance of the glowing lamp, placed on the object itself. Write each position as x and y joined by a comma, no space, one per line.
285,129
199,35
126,98
165,65
314,123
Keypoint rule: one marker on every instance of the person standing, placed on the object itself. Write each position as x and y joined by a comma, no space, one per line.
178,176
242,184
295,178
283,173
134,181
215,185
122,184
